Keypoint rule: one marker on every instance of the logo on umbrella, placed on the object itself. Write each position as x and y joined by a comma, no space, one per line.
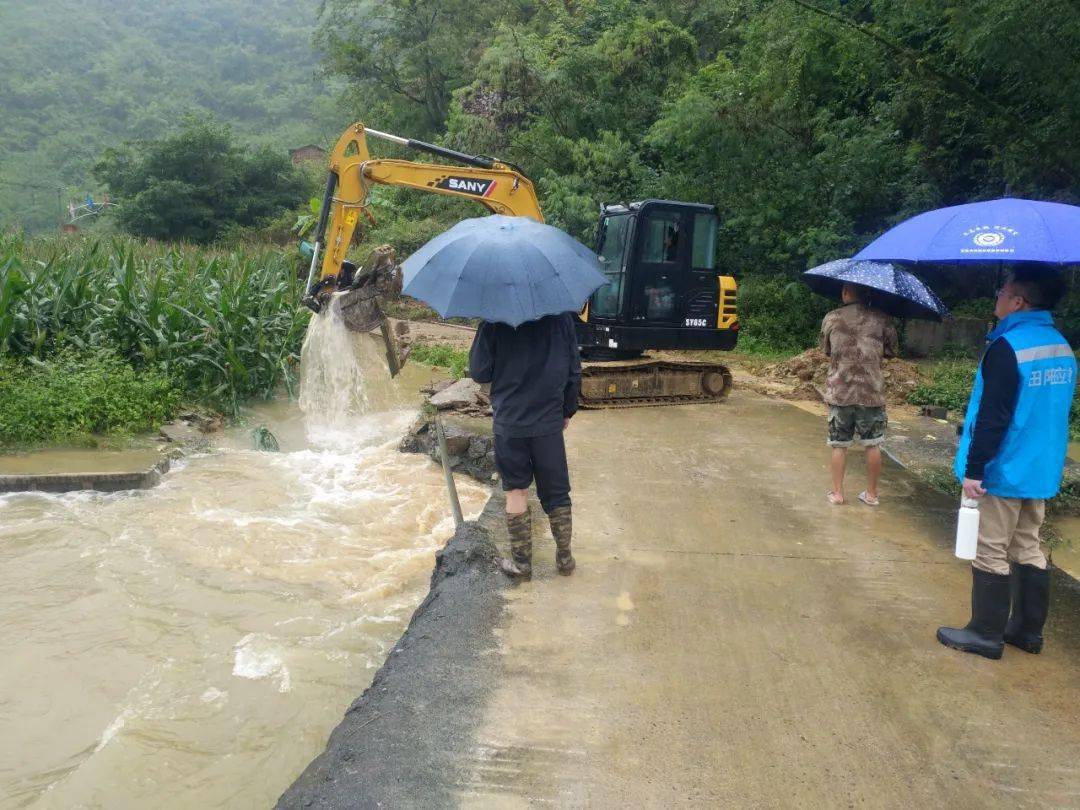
989,238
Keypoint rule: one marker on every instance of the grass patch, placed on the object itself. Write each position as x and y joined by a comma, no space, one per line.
1067,501
779,315
75,396
946,384
749,348
940,478
443,356
750,355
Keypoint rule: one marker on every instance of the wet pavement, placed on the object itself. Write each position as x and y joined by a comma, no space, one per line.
731,639
46,462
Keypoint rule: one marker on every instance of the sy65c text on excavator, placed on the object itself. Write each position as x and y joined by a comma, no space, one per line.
663,289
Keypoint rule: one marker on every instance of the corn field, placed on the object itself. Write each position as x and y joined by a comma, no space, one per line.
225,326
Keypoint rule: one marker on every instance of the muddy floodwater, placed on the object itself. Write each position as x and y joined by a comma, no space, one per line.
192,646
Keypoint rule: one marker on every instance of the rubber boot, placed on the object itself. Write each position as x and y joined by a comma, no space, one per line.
562,525
519,527
1030,604
984,634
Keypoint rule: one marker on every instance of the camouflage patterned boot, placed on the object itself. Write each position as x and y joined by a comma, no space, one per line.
519,527
561,528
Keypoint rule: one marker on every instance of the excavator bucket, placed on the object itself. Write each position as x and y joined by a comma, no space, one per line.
358,292
360,308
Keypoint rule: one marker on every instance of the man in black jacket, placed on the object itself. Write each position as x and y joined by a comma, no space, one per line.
535,376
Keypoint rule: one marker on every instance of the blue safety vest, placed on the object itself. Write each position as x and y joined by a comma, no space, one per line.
1031,458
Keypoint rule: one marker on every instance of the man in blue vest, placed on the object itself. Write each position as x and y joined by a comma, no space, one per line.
1011,458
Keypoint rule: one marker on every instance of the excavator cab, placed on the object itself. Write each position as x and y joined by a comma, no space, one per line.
663,289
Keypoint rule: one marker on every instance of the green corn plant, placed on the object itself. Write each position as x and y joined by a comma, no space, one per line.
225,326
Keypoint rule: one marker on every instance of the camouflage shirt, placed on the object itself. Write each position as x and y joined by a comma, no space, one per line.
856,338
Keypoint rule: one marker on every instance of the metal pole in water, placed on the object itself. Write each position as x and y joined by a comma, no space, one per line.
451,489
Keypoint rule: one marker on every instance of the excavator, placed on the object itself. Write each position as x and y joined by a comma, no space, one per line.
663,288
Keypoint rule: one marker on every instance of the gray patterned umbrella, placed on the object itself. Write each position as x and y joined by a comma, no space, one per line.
892,289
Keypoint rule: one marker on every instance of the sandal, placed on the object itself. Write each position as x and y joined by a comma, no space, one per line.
834,499
867,499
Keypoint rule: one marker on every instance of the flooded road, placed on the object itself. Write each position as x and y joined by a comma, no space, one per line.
730,639
191,646
78,461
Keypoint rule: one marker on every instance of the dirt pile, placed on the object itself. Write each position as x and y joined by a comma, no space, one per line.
901,378
805,374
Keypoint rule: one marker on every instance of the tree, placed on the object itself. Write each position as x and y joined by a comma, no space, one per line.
197,182
405,57
117,70
812,124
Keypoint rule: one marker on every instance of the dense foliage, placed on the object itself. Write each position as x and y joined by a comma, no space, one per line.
778,314
76,395
812,125
222,326
196,183
83,75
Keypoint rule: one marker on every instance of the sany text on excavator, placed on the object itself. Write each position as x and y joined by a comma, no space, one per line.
663,288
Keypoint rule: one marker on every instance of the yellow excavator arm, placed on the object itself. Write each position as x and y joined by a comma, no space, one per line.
500,187
503,189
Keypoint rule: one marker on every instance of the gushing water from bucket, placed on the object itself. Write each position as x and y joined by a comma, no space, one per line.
343,376
332,381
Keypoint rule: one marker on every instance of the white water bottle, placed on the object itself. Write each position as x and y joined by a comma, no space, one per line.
967,529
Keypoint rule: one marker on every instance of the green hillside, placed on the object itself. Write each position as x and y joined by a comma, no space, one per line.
811,124
81,75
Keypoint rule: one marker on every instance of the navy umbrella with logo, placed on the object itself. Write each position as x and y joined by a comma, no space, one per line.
891,289
502,269
1006,230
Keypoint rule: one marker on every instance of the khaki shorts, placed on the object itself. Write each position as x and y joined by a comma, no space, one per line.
848,421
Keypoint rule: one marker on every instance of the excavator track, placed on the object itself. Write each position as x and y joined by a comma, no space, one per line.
648,383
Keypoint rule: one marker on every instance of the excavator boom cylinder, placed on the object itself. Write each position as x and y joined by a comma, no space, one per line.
479,161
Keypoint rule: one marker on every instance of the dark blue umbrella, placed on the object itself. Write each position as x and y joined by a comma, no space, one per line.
504,269
892,289
1007,230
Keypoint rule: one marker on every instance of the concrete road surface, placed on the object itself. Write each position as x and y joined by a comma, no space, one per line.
732,640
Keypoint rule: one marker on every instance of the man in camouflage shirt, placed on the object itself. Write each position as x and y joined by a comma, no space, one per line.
856,338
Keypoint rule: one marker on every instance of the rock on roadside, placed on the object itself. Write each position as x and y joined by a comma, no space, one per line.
469,441
188,433
464,395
